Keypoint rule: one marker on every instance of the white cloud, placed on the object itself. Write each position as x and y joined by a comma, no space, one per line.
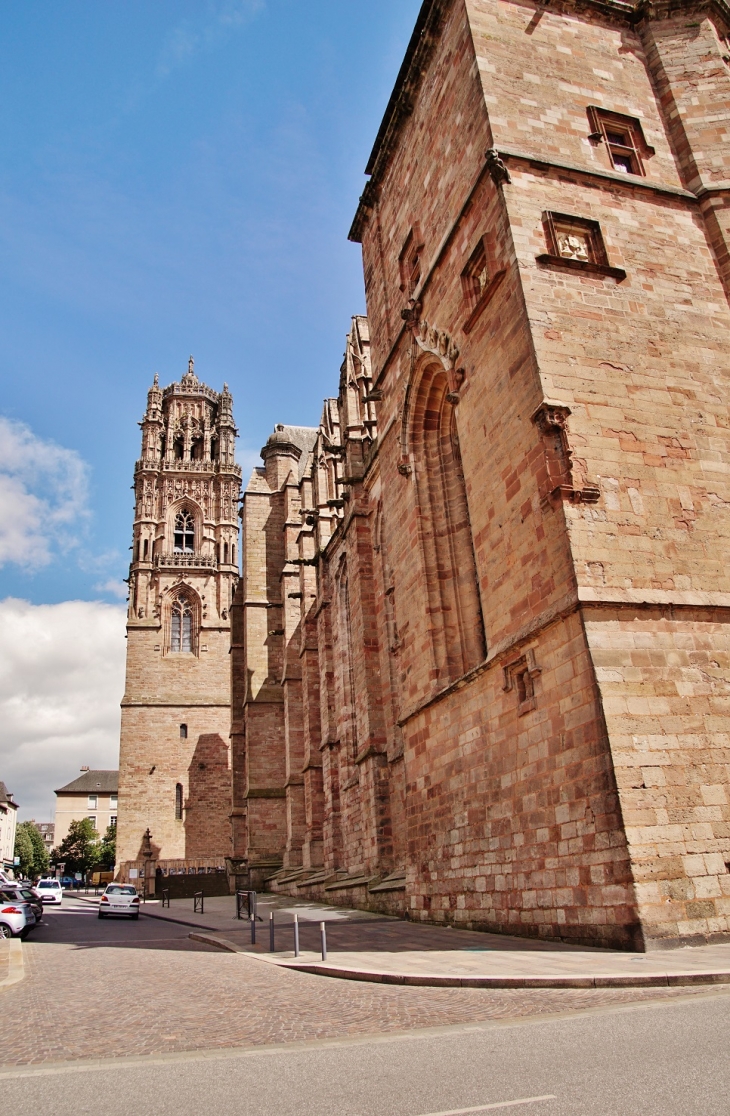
43,496
204,33
61,681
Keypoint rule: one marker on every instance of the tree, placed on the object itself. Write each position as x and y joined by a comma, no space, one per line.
106,851
32,851
41,859
24,849
79,848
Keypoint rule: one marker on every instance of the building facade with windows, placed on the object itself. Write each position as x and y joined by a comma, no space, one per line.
174,770
481,653
93,795
8,826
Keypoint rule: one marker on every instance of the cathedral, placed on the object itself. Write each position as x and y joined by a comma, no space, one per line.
476,667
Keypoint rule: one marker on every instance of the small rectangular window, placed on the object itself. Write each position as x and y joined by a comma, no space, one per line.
183,732
178,801
93,821
92,802
113,821
409,262
475,276
113,801
623,137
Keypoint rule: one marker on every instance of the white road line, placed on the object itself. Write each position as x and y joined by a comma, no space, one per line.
491,1107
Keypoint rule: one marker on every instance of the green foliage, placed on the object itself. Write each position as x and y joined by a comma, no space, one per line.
79,848
41,859
24,849
30,848
106,853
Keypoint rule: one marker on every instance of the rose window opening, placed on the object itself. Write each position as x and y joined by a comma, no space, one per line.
184,535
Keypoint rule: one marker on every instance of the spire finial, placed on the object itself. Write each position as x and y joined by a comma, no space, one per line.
191,367
156,380
225,386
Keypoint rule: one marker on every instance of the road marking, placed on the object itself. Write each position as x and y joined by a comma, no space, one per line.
491,1107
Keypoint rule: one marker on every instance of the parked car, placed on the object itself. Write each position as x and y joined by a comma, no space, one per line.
27,894
68,881
50,891
119,899
16,915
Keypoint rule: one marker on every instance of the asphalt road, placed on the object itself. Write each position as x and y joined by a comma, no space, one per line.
654,1059
76,922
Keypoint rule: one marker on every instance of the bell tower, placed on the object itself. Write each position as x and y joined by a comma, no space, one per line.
174,765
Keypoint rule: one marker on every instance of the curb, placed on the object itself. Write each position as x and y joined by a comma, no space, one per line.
660,980
16,963
221,943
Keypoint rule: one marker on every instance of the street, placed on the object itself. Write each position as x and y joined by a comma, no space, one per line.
120,1016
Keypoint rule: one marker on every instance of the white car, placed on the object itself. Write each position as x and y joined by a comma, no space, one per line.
119,899
50,891
16,915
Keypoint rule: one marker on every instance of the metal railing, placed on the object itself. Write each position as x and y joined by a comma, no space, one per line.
165,897
247,899
198,903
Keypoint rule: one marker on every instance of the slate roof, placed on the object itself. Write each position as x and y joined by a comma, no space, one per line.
92,782
5,796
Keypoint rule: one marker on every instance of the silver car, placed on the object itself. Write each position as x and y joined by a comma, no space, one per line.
16,915
119,899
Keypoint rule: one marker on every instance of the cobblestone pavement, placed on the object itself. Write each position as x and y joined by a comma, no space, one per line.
112,988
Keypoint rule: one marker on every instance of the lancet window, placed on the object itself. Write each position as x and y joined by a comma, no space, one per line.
182,630
184,540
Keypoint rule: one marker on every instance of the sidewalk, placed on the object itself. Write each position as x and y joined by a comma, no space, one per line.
370,947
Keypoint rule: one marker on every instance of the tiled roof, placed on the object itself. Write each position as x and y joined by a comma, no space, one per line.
93,782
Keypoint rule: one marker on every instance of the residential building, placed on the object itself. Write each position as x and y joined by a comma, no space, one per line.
8,825
93,795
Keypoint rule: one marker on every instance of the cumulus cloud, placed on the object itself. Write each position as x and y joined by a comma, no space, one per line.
43,496
61,681
215,23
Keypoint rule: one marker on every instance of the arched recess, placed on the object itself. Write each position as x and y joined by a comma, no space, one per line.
178,509
457,624
181,612
344,664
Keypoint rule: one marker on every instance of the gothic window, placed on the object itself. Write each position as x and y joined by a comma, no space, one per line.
184,540
196,452
178,446
183,732
181,625
457,627
178,801
225,553
145,548
214,449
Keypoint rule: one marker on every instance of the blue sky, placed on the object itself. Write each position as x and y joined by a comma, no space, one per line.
176,177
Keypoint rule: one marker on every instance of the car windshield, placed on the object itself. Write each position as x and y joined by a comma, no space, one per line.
49,883
116,889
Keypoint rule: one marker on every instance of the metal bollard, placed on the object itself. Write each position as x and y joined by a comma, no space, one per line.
296,935
253,929
271,932
323,939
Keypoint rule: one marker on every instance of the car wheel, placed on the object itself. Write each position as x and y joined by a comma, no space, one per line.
5,931
136,915
100,915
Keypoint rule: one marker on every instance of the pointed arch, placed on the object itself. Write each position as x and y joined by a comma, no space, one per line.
184,527
456,622
181,618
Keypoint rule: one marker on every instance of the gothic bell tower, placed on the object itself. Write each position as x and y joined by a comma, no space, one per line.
174,765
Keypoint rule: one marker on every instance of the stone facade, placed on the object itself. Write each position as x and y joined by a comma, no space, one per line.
480,655
174,766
